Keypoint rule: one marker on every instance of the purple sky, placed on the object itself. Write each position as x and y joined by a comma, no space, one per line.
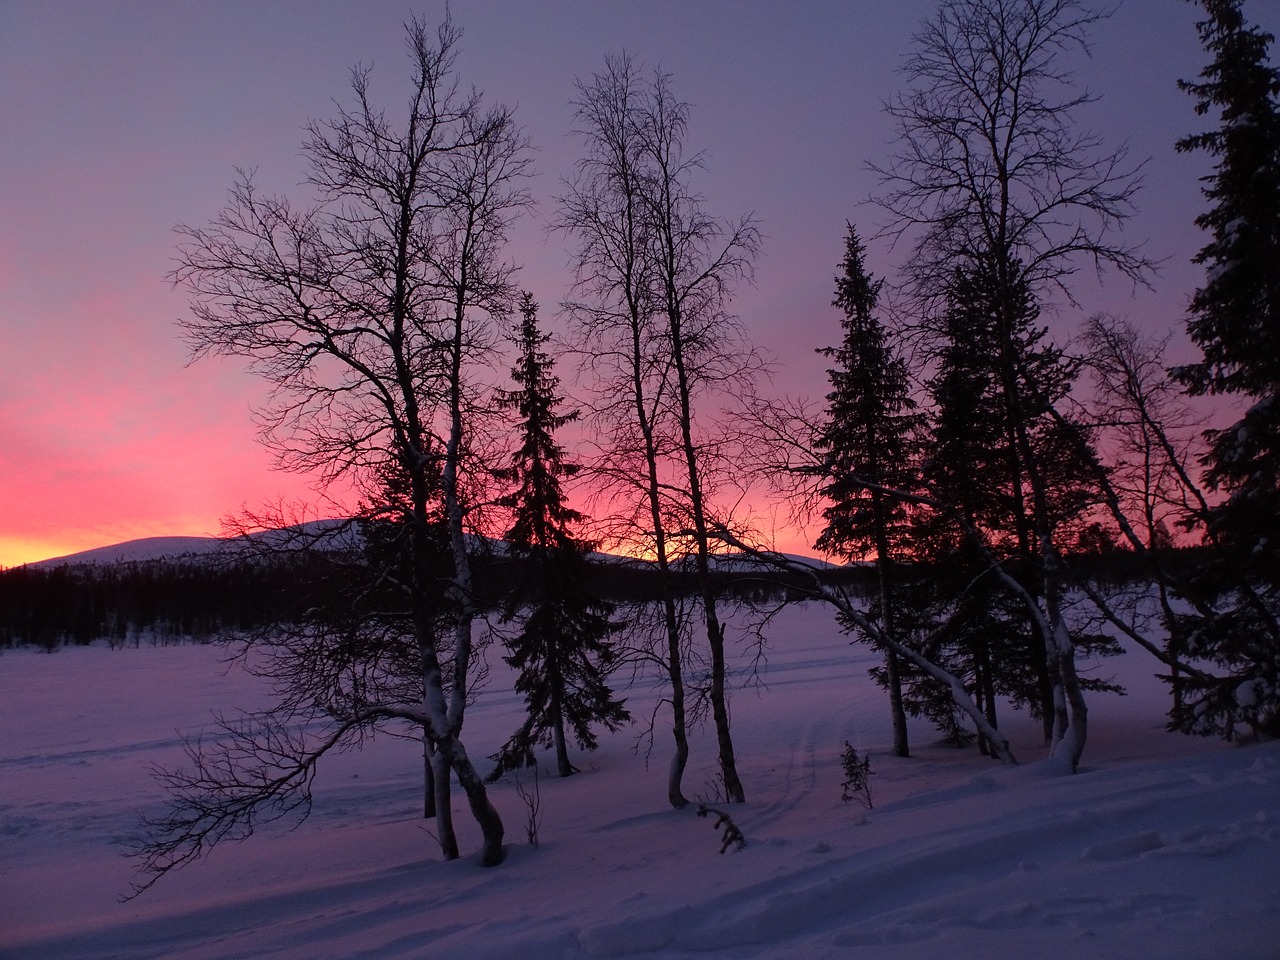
119,120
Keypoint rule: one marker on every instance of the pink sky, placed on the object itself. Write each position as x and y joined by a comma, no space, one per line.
120,120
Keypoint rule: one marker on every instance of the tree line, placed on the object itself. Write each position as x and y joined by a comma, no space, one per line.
204,600
136,603
965,455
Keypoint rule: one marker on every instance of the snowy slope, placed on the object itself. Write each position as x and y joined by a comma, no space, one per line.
1161,847
317,533
136,551
162,548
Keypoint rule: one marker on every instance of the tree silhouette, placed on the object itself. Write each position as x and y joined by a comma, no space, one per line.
868,444
1235,321
562,652
368,310
656,271
994,184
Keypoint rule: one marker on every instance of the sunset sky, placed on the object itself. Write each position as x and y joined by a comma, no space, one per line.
119,120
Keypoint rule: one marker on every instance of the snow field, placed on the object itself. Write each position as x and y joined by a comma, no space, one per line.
1161,847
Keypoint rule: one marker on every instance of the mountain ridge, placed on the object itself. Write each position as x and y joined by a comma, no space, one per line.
147,549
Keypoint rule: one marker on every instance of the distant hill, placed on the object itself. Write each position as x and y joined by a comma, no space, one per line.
169,589
137,551
324,533
178,548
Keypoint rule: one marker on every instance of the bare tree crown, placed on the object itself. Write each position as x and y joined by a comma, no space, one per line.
988,156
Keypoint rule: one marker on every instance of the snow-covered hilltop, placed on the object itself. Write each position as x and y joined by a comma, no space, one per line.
320,533
139,551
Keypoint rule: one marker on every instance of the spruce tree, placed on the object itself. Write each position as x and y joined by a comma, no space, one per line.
1235,315
992,174
1235,321
976,625
868,449
562,652
1006,459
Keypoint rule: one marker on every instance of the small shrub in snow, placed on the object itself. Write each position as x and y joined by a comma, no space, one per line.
857,776
731,835
532,797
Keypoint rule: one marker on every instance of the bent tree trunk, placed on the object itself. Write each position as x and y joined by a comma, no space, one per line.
1071,726
671,622
441,776
485,814
428,776
679,732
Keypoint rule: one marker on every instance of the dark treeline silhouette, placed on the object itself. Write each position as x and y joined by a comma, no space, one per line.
153,601
174,600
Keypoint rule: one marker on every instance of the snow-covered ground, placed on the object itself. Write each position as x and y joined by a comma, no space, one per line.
1161,847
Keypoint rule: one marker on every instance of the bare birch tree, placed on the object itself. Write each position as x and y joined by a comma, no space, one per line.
615,319
657,271
1150,491
367,310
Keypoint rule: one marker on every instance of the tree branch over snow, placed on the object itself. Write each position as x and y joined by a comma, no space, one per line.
259,769
836,596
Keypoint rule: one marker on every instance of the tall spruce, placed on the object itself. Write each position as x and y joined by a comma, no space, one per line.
1235,321
987,635
1235,315
562,652
996,455
867,444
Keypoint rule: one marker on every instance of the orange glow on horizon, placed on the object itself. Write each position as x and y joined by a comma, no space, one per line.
15,551
792,540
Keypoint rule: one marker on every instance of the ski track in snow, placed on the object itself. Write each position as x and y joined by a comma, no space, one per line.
796,782
1161,847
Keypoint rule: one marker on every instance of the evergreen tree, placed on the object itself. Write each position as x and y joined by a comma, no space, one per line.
992,175
1235,321
562,652
868,444
1008,462
1235,315
975,625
